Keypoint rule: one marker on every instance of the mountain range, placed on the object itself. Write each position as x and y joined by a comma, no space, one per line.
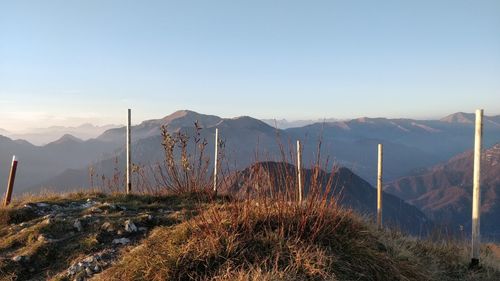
40,163
427,163
410,146
42,136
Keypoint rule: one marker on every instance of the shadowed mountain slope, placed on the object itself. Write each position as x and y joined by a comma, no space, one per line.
444,191
348,189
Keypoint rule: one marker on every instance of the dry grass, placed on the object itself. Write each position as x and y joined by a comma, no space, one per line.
251,241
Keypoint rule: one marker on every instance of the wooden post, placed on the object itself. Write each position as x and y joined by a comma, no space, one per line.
129,152
10,185
380,185
476,196
216,157
299,170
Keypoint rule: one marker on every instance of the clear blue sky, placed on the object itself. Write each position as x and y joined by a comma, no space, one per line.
69,62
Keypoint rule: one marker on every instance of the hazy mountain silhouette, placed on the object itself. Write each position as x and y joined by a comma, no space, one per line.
42,136
39,163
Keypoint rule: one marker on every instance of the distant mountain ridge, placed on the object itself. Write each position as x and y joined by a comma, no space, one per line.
42,136
285,124
469,118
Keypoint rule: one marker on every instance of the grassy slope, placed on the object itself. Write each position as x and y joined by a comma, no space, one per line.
224,240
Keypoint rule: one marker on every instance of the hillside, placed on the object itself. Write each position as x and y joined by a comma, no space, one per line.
94,236
348,190
444,191
40,163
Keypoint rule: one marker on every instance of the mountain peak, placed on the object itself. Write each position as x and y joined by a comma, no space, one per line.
247,122
180,114
67,138
459,117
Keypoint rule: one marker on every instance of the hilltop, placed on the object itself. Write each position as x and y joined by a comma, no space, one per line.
93,236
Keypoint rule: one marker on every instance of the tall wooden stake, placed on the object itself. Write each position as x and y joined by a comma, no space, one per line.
216,158
129,152
380,185
476,195
10,185
299,170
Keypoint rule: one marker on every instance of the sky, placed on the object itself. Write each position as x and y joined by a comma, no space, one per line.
69,62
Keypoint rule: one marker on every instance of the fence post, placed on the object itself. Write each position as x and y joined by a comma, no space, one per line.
129,152
380,185
476,196
12,178
216,157
299,170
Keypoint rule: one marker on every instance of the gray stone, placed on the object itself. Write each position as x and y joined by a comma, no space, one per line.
78,225
130,226
107,227
122,241
17,258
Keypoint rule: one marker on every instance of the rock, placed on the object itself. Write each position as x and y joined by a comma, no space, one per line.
130,226
109,205
24,224
78,225
122,241
107,227
60,216
42,205
143,229
96,210
89,272
17,258
96,268
88,204
41,238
